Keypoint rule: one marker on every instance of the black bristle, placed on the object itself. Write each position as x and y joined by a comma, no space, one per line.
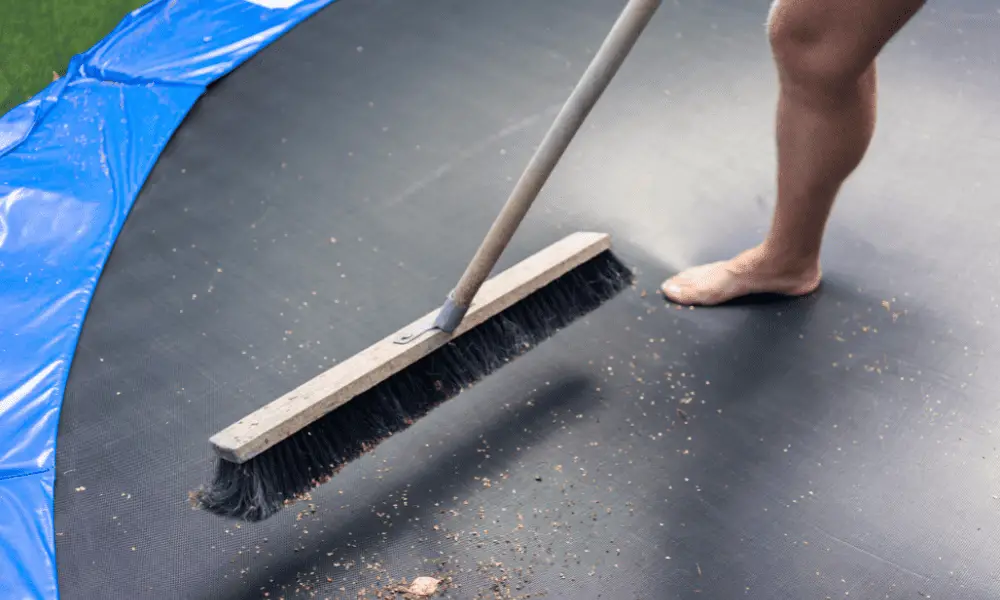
280,476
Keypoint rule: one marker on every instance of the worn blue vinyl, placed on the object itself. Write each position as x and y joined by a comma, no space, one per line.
72,161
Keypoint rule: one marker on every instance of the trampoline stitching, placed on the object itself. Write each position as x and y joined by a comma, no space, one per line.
28,474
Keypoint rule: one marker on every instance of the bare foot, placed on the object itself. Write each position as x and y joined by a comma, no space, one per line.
756,271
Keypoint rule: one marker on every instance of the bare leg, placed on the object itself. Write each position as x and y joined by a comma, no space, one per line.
825,54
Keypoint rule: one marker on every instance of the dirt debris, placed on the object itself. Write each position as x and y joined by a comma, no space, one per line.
423,586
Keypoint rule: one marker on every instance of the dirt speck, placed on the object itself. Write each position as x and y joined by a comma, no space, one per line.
423,586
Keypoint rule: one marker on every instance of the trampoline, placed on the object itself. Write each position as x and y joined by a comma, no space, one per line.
843,445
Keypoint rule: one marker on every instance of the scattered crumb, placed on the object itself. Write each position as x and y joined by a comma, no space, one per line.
423,586
81,489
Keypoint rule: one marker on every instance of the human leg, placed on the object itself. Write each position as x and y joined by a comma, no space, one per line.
825,54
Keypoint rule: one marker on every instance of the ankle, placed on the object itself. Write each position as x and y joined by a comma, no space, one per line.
784,260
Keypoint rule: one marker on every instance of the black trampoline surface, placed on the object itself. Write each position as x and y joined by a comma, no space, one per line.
329,191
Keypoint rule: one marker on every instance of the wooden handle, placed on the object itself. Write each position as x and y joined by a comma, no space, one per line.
595,80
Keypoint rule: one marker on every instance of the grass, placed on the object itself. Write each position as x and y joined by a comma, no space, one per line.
38,37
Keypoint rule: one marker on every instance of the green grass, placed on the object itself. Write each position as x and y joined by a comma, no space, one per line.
38,37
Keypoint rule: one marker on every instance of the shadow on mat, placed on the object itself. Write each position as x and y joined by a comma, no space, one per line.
435,481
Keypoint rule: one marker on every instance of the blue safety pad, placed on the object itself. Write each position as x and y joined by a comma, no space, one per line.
72,161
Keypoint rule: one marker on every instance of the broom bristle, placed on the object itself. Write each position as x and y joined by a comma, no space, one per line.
280,476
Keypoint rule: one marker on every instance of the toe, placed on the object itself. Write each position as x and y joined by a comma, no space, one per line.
697,285
673,288
680,290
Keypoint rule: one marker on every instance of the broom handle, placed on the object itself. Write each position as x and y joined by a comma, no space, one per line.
616,46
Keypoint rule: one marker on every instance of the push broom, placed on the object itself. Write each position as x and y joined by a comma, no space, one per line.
275,455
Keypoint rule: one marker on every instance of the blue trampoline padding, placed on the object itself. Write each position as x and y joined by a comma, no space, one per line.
72,161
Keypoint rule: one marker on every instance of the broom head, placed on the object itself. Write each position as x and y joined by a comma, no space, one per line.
274,456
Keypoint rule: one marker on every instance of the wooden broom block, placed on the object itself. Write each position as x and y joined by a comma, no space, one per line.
283,417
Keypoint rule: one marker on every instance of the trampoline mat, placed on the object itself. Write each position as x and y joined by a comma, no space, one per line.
329,191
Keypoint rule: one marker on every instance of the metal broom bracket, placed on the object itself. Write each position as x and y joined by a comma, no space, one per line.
447,319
